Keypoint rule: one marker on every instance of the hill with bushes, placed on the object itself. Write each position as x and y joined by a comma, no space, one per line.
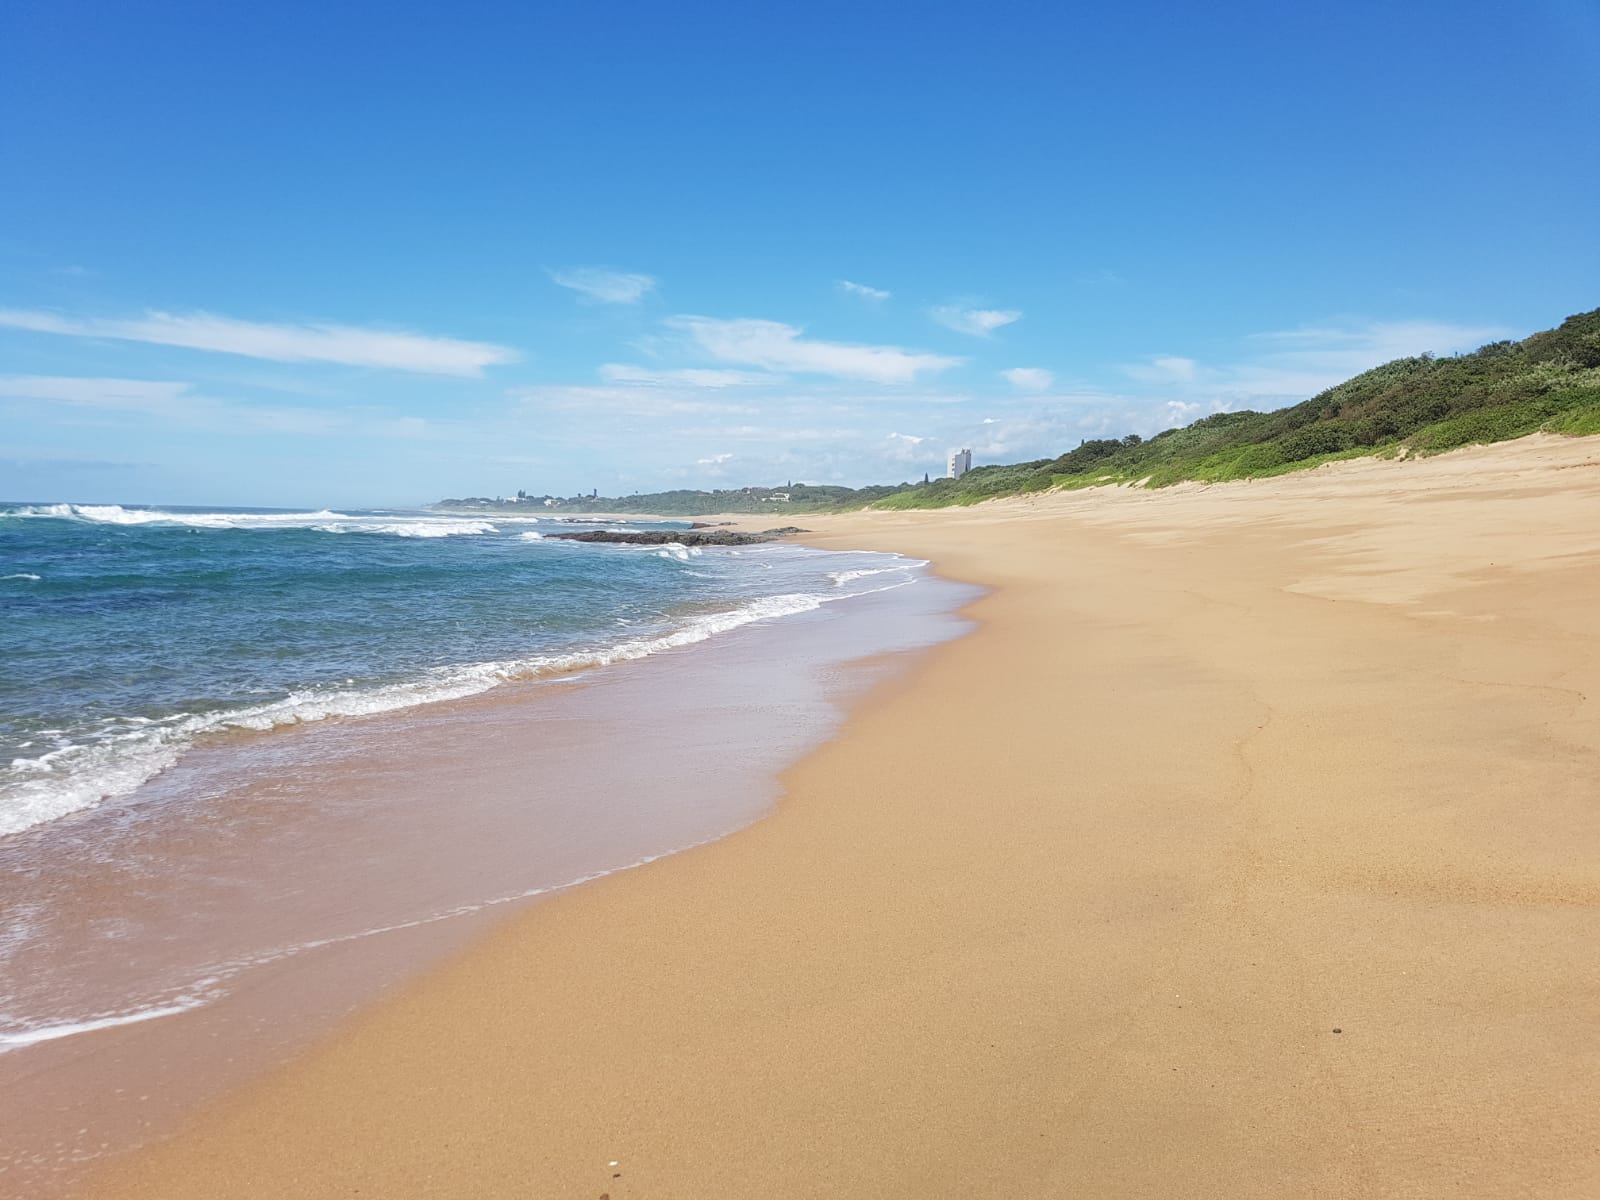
1424,405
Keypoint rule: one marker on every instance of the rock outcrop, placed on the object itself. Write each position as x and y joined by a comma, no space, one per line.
679,537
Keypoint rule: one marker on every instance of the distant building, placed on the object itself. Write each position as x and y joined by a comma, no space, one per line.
960,463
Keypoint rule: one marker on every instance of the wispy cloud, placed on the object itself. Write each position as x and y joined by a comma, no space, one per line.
25,460
1356,347
851,288
700,377
343,344
173,403
1163,368
131,395
1029,379
1181,412
771,434
775,346
714,460
1284,366
905,448
630,400
602,285
979,322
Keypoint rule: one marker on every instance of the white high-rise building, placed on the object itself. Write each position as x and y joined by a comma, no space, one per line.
960,463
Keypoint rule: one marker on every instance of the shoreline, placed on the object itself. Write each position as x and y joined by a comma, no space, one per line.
1243,850
270,885
87,768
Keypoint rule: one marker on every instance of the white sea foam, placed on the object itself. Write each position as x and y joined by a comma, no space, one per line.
678,551
115,514
428,528
323,521
213,984
79,776
840,578
533,535
28,575
32,1035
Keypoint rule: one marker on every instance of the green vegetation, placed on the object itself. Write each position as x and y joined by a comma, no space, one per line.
1424,405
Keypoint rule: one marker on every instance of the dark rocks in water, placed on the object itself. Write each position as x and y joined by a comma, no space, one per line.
708,524
681,537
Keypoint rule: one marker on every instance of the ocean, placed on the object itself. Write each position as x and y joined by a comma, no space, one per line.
128,633
261,765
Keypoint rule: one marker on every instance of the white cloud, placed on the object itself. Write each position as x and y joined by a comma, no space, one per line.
172,402
410,427
1019,438
715,460
775,346
876,295
908,448
772,434
701,377
624,400
1358,347
1164,368
1029,379
979,322
601,285
129,395
1181,412
342,344
1286,366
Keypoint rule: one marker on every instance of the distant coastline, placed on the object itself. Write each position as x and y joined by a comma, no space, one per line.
1548,382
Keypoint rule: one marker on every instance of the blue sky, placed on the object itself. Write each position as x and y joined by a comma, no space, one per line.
346,254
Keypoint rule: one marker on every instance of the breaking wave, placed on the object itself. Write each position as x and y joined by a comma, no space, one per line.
134,750
322,521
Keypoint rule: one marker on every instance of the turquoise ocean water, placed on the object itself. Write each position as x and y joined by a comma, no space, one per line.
128,635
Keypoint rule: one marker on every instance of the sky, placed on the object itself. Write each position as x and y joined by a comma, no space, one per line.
379,254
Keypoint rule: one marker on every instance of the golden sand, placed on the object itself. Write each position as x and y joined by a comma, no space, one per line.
1249,848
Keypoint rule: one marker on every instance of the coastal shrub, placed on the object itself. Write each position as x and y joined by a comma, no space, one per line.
1580,415
1328,437
1253,460
1578,422
1484,425
1072,483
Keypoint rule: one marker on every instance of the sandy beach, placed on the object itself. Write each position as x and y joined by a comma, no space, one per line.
1250,847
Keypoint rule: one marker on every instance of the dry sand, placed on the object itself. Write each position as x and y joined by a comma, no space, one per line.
1251,847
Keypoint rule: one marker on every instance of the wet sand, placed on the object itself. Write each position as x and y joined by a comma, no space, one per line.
168,948
1250,847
